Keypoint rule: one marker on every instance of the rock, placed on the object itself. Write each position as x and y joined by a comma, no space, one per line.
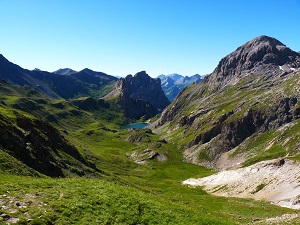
161,158
5,216
279,162
12,220
295,201
18,204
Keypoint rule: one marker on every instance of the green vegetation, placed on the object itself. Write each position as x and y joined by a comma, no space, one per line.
89,201
258,188
115,189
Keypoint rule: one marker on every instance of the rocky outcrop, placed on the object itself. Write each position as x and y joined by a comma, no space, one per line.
139,95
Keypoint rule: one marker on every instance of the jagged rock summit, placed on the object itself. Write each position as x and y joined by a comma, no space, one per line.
139,95
261,55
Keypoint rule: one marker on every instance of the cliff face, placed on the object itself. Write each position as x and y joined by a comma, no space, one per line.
251,99
139,95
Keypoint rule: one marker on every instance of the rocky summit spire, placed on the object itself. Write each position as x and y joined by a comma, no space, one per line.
139,95
260,55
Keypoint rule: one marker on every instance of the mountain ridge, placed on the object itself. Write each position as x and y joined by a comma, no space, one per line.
79,84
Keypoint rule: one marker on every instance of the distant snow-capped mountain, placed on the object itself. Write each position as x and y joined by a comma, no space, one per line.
172,84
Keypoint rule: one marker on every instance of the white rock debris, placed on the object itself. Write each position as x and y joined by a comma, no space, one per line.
277,181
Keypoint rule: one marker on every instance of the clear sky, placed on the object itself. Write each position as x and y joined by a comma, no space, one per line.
121,37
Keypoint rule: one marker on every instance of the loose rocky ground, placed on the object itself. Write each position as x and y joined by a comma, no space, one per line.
277,181
16,206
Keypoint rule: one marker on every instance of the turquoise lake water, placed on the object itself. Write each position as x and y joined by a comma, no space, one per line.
135,126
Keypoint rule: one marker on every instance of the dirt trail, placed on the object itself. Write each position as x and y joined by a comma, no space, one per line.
277,181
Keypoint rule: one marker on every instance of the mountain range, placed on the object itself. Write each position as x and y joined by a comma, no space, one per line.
76,84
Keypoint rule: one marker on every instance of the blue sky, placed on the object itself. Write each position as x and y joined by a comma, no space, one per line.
121,37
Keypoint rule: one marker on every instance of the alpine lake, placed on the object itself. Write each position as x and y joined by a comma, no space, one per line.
135,126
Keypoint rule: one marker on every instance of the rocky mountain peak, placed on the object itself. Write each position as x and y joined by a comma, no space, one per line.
64,71
142,74
141,93
260,55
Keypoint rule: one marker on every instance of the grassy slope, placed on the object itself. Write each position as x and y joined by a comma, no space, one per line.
126,193
91,201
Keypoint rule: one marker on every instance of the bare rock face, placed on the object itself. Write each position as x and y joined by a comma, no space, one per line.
139,95
261,55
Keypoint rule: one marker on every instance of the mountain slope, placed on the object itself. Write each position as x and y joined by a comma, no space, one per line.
139,95
251,99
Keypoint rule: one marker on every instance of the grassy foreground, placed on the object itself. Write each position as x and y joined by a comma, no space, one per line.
153,194
89,201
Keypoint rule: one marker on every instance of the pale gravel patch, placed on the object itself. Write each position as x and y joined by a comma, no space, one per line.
12,220
263,181
284,219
